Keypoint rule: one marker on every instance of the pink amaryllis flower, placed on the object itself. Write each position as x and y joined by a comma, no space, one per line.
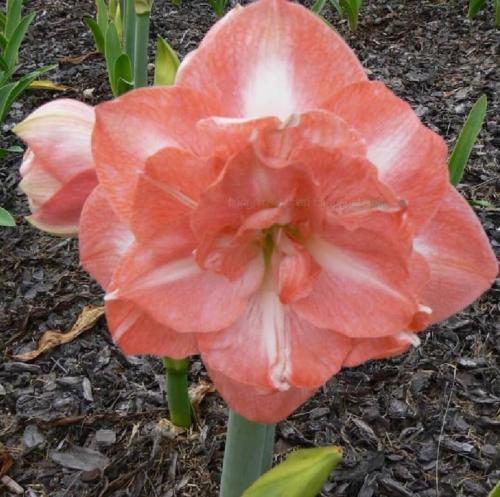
58,169
275,212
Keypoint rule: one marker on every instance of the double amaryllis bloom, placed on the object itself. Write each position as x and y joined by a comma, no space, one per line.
274,211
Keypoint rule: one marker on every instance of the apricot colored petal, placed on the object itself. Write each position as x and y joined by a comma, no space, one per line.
297,271
270,347
163,279
257,405
227,253
38,184
248,191
136,333
348,185
410,158
169,188
272,58
60,214
58,134
462,263
103,239
293,140
364,289
135,126
366,349
229,135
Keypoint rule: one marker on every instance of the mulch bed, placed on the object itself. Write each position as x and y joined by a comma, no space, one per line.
422,425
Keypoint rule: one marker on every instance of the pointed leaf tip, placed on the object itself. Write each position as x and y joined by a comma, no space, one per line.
301,475
166,63
466,140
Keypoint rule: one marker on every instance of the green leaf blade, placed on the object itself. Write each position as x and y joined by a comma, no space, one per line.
123,74
6,218
166,63
13,17
301,475
112,52
466,140
96,33
496,491
474,7
14,42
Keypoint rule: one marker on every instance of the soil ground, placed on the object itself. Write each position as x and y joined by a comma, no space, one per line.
425,424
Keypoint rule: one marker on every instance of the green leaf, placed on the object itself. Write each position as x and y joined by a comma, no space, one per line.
11,150
124,74
143,7
102,15
3,64
113,5
337,6
466,139
14,41
6,218
3,42
96,33
14,89
113,50
5,92
3,20
497,12
496,491
218,6
13,17
318,6
301,475
166,63
474,7
481,203
351,10
117,18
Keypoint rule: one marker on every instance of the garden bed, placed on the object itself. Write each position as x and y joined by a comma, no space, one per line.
424,424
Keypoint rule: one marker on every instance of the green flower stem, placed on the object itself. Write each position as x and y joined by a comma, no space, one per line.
267,455
179,404
141,49
129,29
247,452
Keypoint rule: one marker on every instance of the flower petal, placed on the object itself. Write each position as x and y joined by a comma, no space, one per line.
60,214
103,237
257,405
272,58
272,348
58,134
410,158
364,289
367,349
132,128
461,261
170,188
297,270
164,280
136,333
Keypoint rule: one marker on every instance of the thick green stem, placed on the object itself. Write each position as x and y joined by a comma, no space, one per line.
246,453
129,29
267,455
179,404
141,49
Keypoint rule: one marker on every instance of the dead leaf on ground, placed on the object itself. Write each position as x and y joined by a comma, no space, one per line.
79,58
6,462
47,84
51,339
198,393
167,429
